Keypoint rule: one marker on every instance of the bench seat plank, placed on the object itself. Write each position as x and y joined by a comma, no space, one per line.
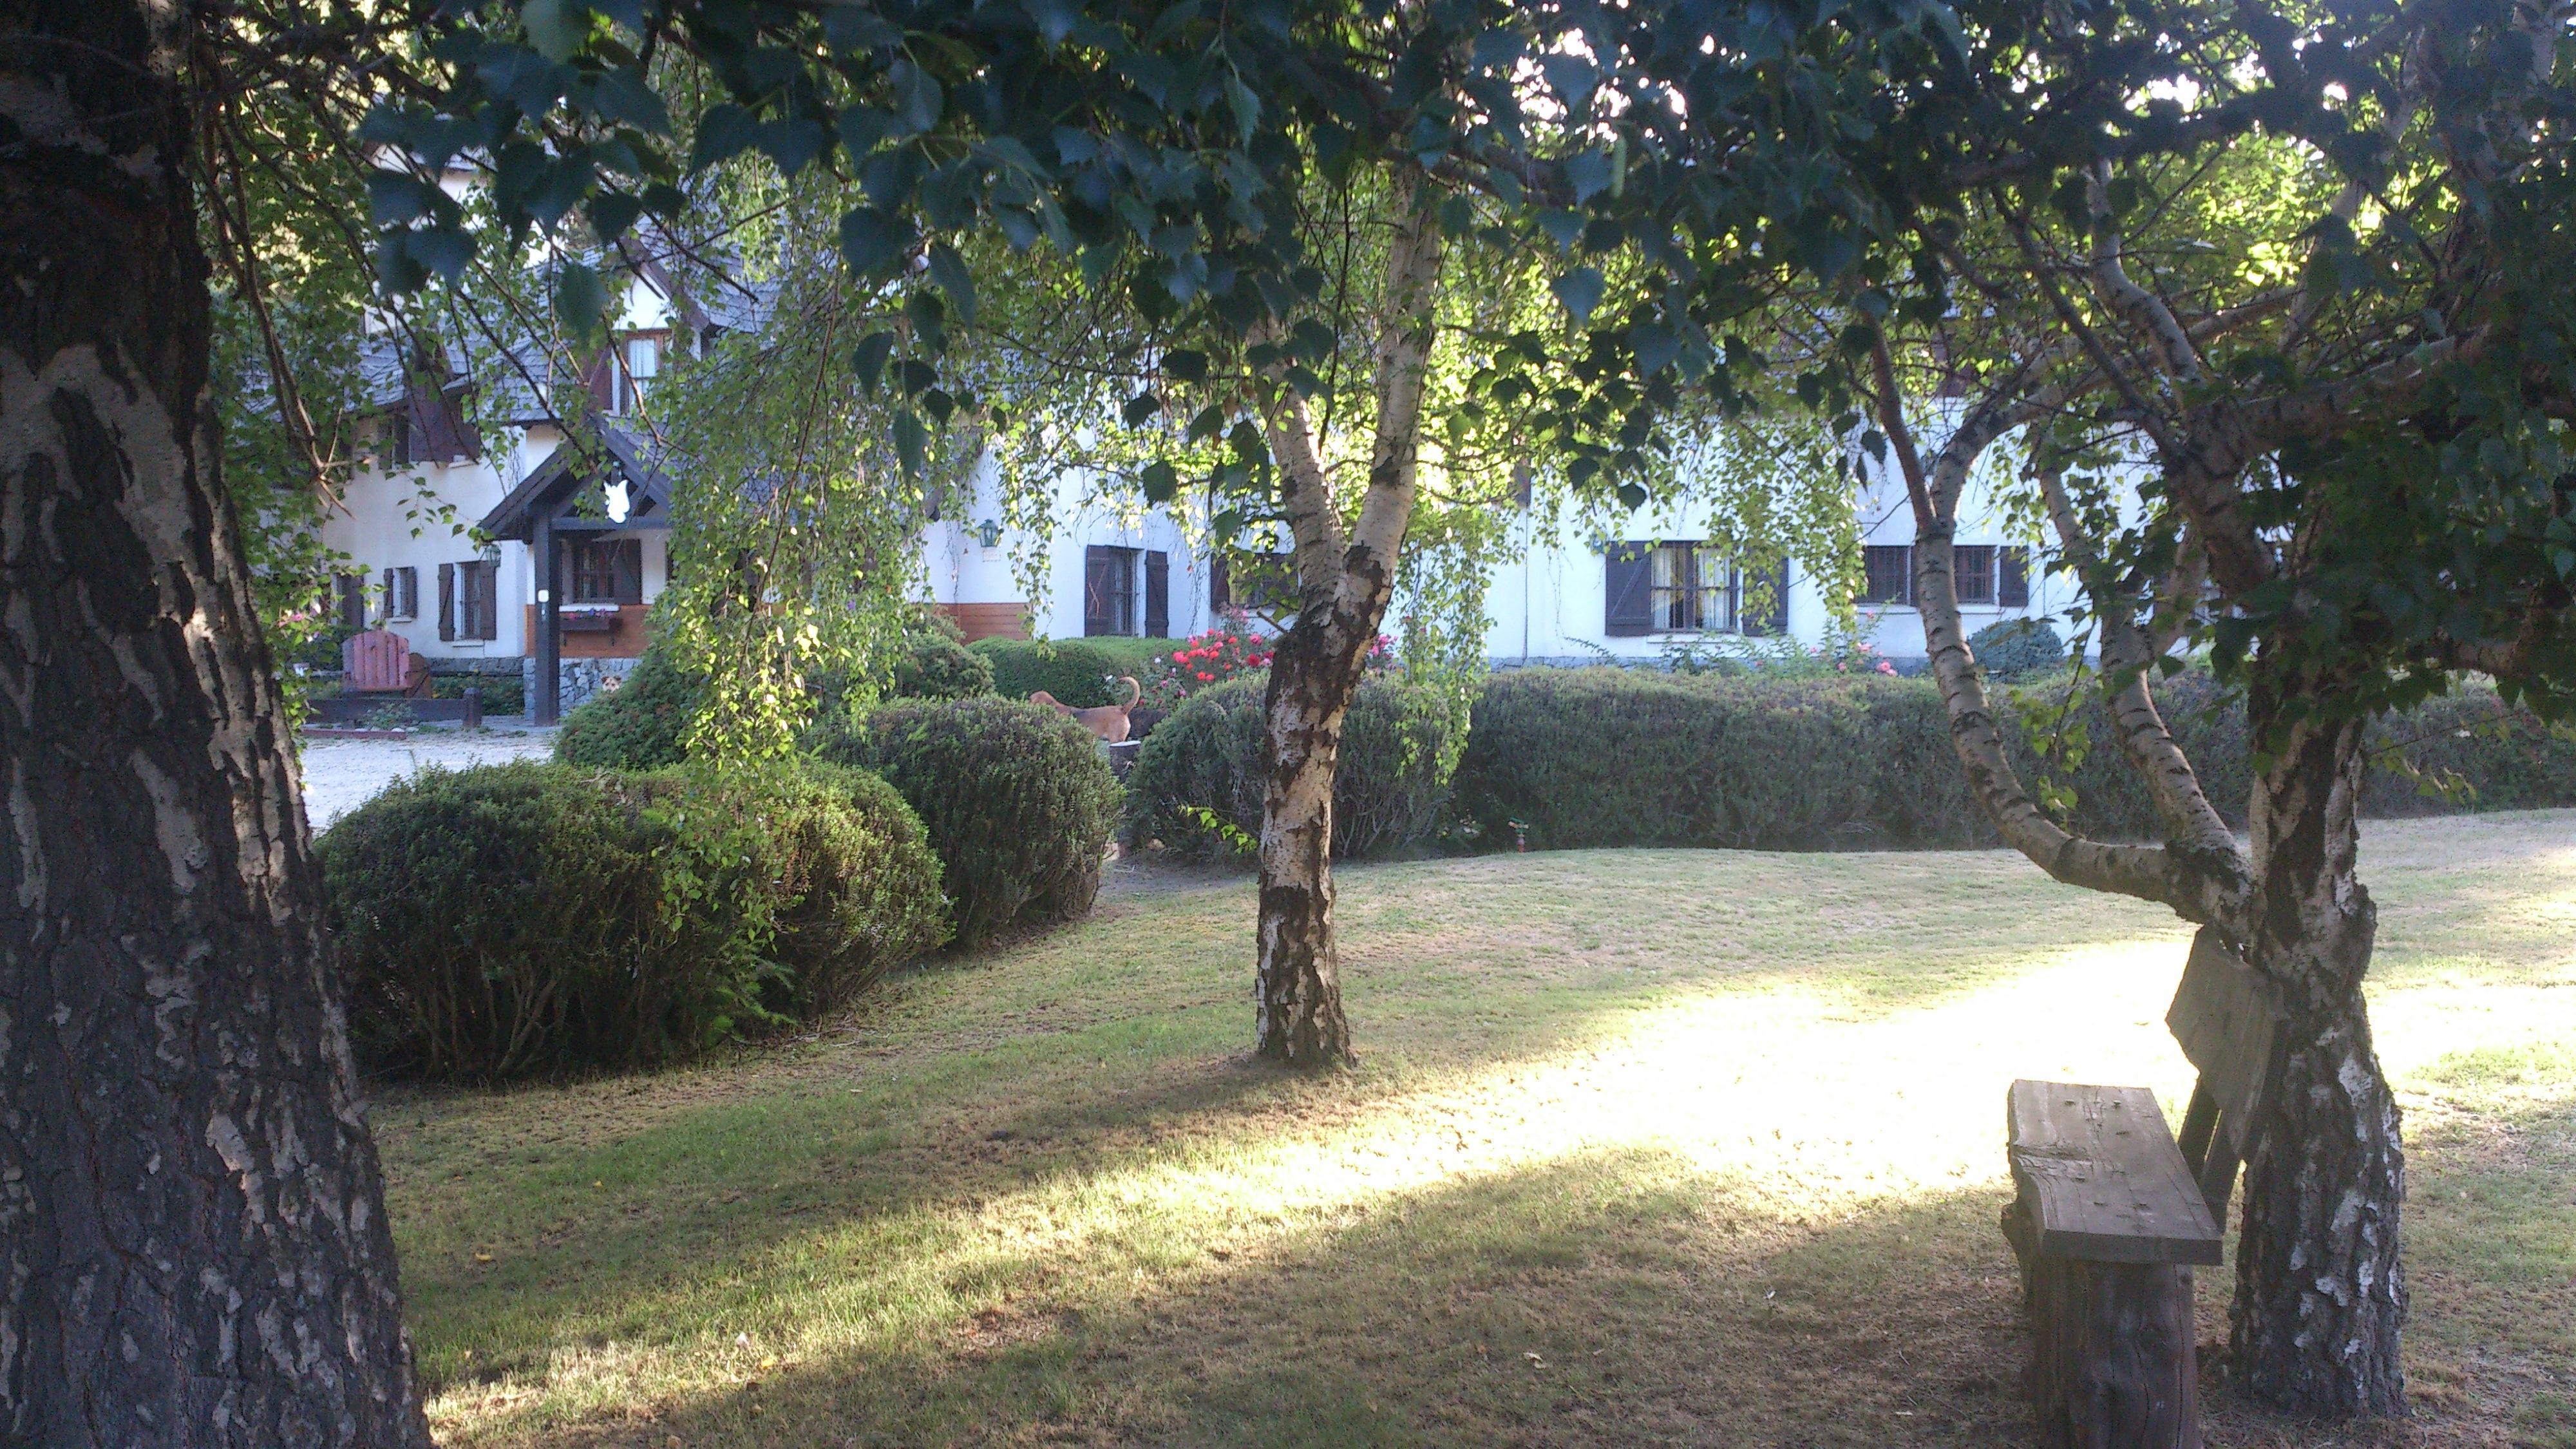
2102,1177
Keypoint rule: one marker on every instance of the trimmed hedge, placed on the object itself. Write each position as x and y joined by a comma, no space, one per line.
1017,800
1601,756
1075,673
519,918
637,726
1208,755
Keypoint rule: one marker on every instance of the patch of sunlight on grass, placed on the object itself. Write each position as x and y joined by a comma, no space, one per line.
1691,1109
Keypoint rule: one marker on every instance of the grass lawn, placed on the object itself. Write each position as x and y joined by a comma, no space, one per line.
1679,1147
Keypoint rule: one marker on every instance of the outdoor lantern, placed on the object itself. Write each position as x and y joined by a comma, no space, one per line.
990,532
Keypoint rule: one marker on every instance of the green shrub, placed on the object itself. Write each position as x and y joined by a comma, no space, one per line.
1584,757
1075,672
1206,760
1131,655
2016,648
1016,798
639,725
936,663
530,917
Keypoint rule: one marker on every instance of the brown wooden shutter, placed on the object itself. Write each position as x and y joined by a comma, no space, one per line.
447,600
1627,589
600,378
1096,586
1158,594
2012,583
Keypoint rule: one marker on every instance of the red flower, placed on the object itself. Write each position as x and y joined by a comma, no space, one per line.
1205,677
1178,657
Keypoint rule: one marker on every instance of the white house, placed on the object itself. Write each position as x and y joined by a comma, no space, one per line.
1570,596
518,555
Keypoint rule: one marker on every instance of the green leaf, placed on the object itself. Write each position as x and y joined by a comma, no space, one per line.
1209,423
1565,228
1580,291
1142,407
581,301
868,359
1589,174
1186,364
911,441
612,212
873,241
1055,18
556,27
1160,482
949,270
918,99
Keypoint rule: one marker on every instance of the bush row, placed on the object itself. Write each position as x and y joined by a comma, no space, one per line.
526,917
1569,758
1622,757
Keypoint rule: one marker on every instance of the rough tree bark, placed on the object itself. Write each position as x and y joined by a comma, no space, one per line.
192,1237
2320,1295
1345,579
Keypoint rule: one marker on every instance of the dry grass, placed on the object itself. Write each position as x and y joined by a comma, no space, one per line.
1649,1147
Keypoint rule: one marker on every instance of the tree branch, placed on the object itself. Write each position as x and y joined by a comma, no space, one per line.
2145,872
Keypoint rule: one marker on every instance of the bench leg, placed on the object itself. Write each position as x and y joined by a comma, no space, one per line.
2114,1364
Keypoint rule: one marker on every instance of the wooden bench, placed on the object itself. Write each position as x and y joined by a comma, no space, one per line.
2108,1224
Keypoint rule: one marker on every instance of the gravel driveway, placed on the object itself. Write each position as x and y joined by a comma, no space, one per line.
341,775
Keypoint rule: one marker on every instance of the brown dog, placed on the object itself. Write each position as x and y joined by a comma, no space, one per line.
1108,721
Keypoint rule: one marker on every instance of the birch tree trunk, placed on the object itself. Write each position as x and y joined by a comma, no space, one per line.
1314,670
1345,579
193,1248
2320,1294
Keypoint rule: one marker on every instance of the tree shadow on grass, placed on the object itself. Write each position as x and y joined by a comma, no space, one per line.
1610,1299
1613,1298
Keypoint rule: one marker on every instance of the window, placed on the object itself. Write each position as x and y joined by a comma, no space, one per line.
398,438
1681,588
1108,590
1158,595
2012,586
641,359
604,570
1972,572
1890,570
466,607
1690,589
402,592
1257,583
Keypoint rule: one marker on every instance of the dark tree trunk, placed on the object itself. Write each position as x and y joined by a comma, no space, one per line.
2319,1292
192,1235
1314,669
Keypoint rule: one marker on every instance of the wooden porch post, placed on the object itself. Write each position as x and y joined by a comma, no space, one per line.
547,706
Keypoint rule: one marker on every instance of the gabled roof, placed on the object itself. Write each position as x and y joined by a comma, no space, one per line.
551,489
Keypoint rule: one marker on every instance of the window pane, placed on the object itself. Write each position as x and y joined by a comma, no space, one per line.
1717,590
1972,571
1890,569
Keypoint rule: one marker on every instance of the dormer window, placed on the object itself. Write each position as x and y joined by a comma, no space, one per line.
639,364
